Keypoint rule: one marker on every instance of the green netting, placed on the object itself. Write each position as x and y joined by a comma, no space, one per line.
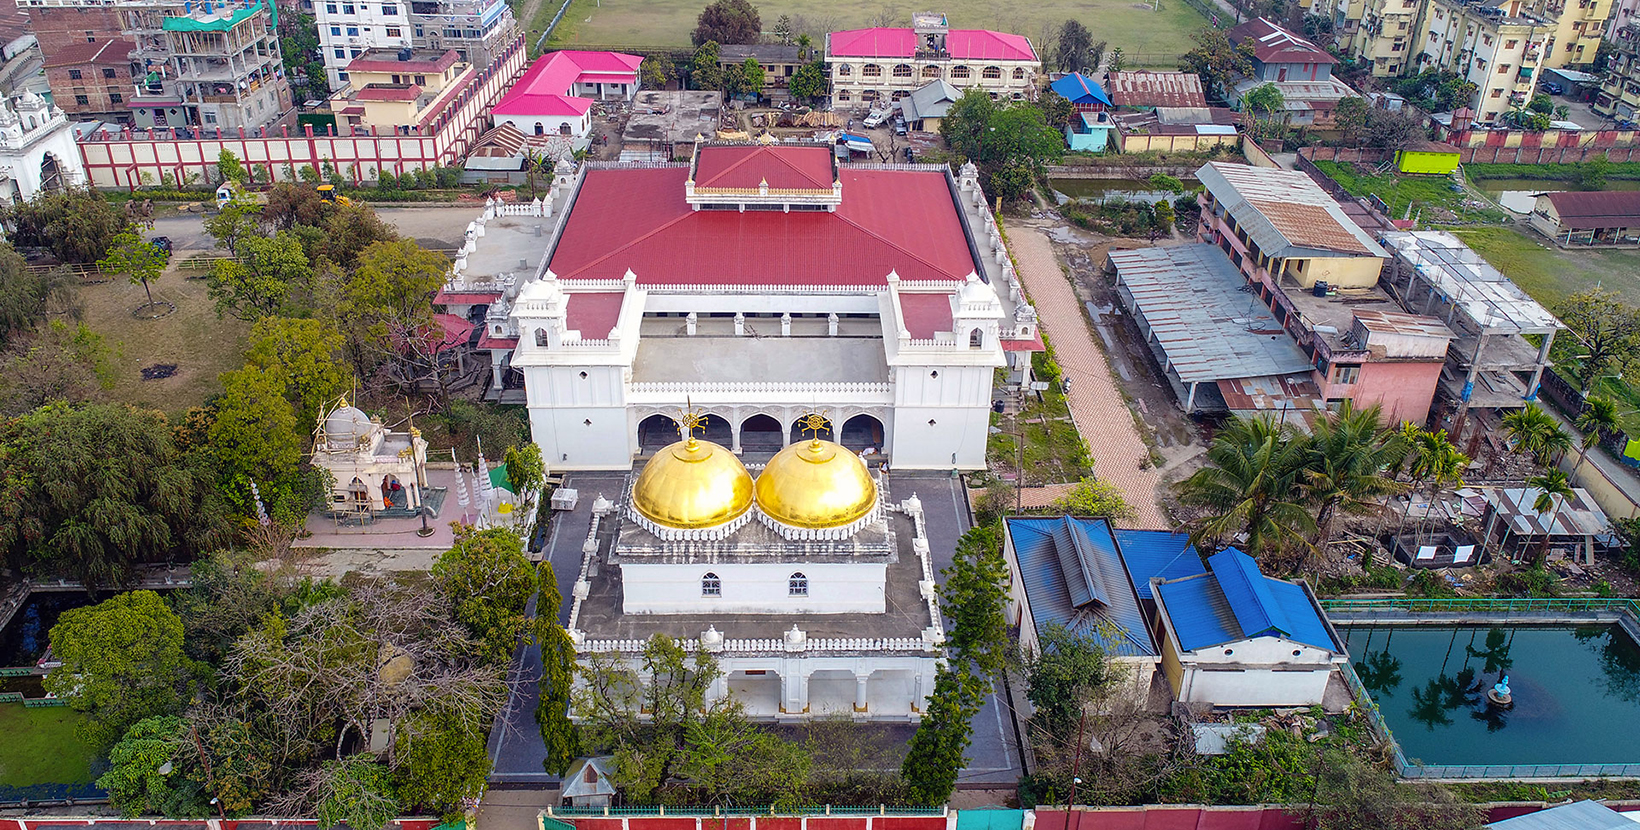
221,24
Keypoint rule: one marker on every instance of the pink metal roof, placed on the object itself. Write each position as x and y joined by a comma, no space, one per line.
593,314
486,341
637,219
466,297
388,92
925,314
963,44
545,87
384,60
788,168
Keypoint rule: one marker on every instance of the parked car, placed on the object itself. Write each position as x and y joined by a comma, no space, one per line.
899,126
874,120
1552,88
162,242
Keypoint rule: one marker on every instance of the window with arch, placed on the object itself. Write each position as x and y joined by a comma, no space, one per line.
961,73
869,95
872,70
976,339
1019,73
899,93
843,95
540,128
797,585
845,70
902,70
711,586
931,71
991,73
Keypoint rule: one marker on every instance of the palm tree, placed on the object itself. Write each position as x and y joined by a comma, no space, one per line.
804,44
1351,454
1251,485
1555,488
1598,418
1437,463
1536,432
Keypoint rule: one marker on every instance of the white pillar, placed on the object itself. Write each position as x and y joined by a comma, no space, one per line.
690,324
831,324
860,681
794,690
786,325
740,324
734,436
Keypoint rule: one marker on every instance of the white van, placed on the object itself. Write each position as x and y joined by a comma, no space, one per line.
875,119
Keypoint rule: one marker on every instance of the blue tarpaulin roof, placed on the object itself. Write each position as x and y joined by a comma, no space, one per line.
1158,553
1074,576
1080,89
1234,601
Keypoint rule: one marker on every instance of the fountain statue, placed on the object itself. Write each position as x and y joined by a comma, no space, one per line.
1499,694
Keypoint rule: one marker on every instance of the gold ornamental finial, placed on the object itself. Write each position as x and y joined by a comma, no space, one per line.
813,423
688,422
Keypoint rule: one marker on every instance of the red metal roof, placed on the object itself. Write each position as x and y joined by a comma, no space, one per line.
1034,344
385,60
593,314
107,52
1597,209
388,92
784,168
485,341
466,297
1273,44
456,330
637,219
544,88
925,314
962,44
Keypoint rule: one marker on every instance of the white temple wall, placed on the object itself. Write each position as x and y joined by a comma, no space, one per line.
942,417
833,588
580,423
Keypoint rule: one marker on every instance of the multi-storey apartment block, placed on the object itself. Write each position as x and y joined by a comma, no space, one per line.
1620,88
883,64
477,30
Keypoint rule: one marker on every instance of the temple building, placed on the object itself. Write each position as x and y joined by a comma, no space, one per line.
814,593
372,469
754,283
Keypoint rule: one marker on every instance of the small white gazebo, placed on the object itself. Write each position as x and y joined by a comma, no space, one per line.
372,468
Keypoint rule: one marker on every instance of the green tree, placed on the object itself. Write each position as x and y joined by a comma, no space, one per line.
808,83
290,205
441,761
134,782
357,792
1118,61
1537,433
1351,794
1057,110
727,21
56,363
310,355
1094,497
141,260
1251,485
88,492
753,76
1074,47
1350,116
783,30
668,685
1607,328
26,297
1352,454
488,580
236,222
229,168
1216,61
348,231
1062,676
936,752
974,595
256,439
1541,103
122,661
525,469
1594,423
1434,461
558,732
730,760
1554,488
1591,174
653,72
386,307
1264,101
1011,145
704,72
259,283
75,225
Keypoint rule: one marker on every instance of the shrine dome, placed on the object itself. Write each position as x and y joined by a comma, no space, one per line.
346,424
693,485
816,484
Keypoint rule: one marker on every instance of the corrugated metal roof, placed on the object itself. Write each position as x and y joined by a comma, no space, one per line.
1578,815
1234,602
1269,206
1196,306
1155,89
1117,624
1157,553
1576,516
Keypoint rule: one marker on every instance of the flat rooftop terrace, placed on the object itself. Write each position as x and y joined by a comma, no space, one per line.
776,359
511,245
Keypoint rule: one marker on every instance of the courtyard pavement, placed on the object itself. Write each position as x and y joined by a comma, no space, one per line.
1096,404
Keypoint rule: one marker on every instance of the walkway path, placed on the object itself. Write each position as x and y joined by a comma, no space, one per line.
1096,404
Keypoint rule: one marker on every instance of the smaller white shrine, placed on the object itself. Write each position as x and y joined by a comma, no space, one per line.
37,149
372,468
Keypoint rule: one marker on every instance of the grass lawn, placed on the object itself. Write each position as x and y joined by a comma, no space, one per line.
200,345
1549,274
1432,197
1148,38
1054,451
40,747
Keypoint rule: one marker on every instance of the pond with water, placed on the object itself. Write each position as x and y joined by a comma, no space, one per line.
1108,190
24,639
1519,195
1576,691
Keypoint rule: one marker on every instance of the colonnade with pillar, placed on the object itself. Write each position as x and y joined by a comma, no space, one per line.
867,688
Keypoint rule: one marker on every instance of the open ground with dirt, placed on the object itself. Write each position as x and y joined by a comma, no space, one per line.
1151,35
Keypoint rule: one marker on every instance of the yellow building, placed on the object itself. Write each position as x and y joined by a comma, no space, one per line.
1620,88
399,90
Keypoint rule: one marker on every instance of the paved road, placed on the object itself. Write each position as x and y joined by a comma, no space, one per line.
441,223
1096,404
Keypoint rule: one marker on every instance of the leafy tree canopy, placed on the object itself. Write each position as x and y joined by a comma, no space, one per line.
74,225
728,21
974,595
488,580
122,662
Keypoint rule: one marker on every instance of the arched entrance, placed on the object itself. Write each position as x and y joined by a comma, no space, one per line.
760,433
862,432
51,174
656,432
715,429
799,433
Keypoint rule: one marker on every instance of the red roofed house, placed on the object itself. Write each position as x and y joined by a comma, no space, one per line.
1588,218
399,89
756,283
555,96
883,64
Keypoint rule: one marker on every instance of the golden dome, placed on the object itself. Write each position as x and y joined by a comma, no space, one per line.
693,484
816,484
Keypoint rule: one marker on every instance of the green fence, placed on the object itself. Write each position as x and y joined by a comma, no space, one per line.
1482,604
44,702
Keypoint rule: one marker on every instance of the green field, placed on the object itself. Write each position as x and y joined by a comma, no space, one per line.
1148,38
1549,274
1432,197
40,747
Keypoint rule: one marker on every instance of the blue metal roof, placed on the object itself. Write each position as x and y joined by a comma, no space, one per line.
1158,553
1080,89
1063,555
1233,601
